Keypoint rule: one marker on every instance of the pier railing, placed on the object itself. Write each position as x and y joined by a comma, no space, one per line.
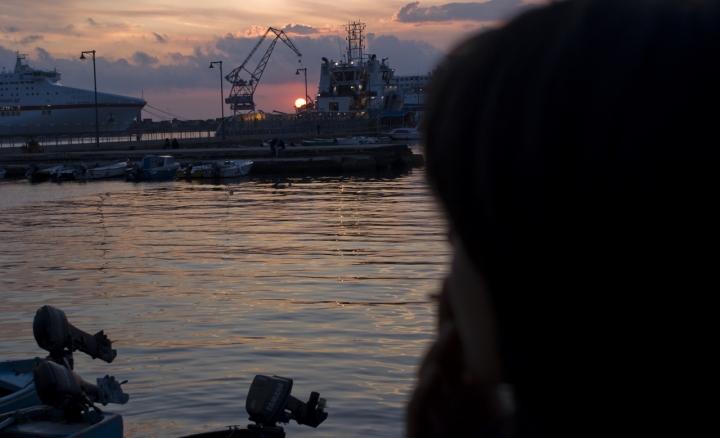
143,134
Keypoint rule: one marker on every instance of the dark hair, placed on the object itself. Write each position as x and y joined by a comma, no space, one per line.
576,151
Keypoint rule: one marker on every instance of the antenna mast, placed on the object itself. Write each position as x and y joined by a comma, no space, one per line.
356,41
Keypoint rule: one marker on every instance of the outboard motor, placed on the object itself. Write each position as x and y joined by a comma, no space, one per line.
188,171
269,402
62,388
135,171
32,170
55,334
216,168
83,169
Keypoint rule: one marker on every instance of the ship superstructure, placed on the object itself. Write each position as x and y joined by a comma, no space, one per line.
33,102
358,82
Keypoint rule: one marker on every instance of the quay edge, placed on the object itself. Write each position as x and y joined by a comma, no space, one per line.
294,159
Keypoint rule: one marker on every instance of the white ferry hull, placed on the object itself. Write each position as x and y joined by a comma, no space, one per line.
71,119
33,102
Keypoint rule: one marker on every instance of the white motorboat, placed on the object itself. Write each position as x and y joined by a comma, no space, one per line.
405,134
109,171
71,172
218,169
31,100
368,140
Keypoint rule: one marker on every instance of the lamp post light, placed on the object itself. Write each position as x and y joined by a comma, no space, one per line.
222,106
97,125
297,72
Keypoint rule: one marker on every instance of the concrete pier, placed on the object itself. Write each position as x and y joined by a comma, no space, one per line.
293,159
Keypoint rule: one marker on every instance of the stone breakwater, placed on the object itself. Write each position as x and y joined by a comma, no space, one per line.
293,159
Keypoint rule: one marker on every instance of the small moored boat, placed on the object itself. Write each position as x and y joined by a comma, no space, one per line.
46,421
54,333
218,169
320,142
269,402
17,388
405,134
153,168
71,172
109,171
64,405
35,173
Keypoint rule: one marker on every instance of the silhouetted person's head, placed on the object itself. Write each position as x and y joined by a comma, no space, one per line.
576,151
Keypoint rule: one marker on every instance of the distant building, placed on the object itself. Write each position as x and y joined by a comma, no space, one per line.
414,88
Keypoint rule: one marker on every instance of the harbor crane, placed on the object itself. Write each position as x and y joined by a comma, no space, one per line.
241,94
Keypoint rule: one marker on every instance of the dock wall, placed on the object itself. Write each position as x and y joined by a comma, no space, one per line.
293,159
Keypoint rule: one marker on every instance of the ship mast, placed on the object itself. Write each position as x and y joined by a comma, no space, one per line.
356,41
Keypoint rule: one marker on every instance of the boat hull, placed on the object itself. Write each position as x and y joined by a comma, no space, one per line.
36,174
17,390
320,142
70,120
153,168
228,433
226,169
405,134
39,105
111,171
45,421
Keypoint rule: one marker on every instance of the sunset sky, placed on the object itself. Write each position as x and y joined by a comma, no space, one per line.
161,50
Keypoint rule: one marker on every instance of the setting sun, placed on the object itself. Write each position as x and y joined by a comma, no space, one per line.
300,102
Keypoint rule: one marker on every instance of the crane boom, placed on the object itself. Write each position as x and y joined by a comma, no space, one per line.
241,94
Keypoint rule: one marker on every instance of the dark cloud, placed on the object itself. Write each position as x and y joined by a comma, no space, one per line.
406,57
142,58
299,29
30,39
172,71
10,29
178,57
160,38
7,56
92,22
491,10
43,55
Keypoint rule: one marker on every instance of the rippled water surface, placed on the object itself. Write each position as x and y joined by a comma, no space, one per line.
323,280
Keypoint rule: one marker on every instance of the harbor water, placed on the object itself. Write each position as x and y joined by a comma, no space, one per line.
325,280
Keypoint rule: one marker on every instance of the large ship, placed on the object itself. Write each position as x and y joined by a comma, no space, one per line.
357,93
33,102
357,82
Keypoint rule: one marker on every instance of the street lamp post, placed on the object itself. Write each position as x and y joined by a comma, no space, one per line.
222,106
304,70
97,125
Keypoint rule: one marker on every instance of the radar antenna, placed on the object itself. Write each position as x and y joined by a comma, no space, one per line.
241,94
